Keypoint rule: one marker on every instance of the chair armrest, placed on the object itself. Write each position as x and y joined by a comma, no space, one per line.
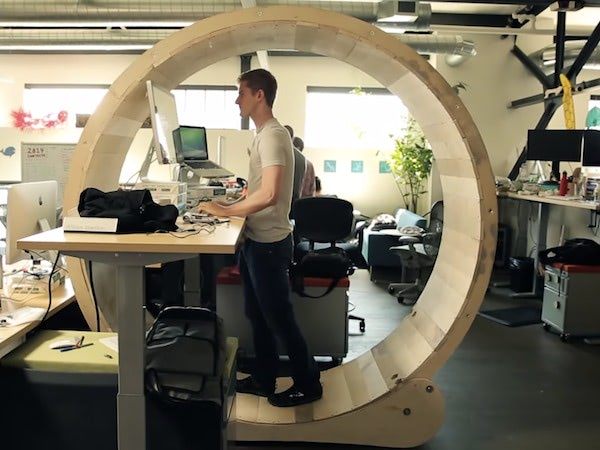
406,240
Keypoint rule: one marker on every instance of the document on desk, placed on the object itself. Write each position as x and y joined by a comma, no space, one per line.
111,342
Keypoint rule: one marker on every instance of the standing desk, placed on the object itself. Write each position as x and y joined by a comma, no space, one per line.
544,203
12,337
130,253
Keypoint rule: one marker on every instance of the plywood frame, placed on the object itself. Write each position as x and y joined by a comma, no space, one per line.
386,396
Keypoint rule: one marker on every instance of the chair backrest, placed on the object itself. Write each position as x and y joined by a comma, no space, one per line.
323,219
433,237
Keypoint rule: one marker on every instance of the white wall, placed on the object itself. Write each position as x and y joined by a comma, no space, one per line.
494,78
370,191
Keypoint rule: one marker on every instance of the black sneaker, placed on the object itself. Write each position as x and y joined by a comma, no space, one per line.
249,386
295,396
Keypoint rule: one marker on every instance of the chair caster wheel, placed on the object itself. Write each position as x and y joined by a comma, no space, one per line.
362,326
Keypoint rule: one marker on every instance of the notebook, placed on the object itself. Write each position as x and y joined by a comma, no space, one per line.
194,149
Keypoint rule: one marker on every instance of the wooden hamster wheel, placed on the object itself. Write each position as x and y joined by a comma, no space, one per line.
386,396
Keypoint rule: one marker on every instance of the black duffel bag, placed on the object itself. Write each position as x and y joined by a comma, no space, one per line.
331,262
135,210
579,251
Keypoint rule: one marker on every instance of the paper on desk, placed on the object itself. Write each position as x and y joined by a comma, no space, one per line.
111,342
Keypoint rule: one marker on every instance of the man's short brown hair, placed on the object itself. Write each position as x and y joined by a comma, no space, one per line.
260,79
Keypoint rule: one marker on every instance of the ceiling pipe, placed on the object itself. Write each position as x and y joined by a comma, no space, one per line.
545,57
56,40
108,13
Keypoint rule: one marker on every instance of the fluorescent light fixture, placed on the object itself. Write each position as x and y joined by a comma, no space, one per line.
98,24
74,48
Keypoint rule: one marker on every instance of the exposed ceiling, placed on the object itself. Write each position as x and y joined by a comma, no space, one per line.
132,26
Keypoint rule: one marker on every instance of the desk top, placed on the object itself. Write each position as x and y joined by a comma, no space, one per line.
554,200
61,297
223,240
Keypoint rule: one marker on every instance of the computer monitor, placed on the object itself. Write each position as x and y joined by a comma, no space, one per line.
554,145
193,142
591,148
165,124
30,209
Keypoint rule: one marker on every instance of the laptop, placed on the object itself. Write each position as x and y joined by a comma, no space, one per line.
194,149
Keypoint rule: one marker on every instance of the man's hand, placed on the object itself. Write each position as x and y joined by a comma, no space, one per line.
212,208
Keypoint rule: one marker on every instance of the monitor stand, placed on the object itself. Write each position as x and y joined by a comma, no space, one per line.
45,226
143,174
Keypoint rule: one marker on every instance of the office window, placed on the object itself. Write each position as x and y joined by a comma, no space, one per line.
353,119
209,106
44,100
592,119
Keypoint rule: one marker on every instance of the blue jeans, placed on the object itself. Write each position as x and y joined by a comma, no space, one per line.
265,278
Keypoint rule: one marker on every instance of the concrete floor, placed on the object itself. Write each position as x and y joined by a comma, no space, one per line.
505,388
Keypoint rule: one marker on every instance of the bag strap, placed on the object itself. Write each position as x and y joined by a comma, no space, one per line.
298,288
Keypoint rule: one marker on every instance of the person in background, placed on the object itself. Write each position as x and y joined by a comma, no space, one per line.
308,182
266,252
317,186
299,168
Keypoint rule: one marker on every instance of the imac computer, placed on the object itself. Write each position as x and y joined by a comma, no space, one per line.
165,124
30,209
554,145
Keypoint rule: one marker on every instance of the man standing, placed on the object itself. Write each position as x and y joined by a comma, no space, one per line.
299,167
266,253
308,181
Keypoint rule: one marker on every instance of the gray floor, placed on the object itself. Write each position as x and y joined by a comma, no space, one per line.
505,388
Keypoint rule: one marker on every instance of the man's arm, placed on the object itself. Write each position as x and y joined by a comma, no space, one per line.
267,195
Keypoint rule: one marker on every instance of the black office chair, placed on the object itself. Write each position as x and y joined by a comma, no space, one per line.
418,254
323,222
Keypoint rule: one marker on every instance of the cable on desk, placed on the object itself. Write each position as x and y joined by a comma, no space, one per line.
94,299
52,272
187,232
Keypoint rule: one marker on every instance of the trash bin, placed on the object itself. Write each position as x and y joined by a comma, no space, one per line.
521,273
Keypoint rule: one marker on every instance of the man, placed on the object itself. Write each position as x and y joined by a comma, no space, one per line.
308,181
299,167
266,253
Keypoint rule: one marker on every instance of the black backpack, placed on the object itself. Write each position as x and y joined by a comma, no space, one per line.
579,251
185,355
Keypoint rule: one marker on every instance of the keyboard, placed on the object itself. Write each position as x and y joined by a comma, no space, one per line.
203,165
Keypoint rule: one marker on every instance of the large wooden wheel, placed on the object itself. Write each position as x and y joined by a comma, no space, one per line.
384,397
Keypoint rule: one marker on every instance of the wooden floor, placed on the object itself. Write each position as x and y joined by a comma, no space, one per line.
505,388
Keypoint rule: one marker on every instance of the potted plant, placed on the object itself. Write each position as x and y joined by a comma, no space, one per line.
410,162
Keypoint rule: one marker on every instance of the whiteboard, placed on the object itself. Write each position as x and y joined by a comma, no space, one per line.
47,161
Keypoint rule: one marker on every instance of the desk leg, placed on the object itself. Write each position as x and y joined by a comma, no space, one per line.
541,233
192,291
131,403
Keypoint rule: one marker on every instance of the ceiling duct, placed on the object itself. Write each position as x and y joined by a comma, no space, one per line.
545,58
433,43
171,13
81,40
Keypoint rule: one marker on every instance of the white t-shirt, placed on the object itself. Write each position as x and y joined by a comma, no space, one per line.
271,146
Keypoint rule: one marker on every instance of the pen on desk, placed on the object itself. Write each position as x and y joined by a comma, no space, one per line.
75,348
